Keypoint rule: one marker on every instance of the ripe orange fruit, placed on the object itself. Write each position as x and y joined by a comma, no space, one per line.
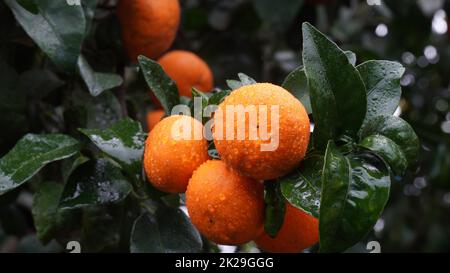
289,142
187,70
172,152
226,207
299,231
153,117
148,27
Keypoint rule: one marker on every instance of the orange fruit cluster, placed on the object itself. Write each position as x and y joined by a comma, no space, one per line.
225,198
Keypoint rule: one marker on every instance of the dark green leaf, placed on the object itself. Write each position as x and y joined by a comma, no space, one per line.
275,208
388,150
382,80
29,5
160,84
297,84
30,155
95,81
95,183
58,29
218,97
338,95
302,188
123,141
48,219
397,130
167,231
354,193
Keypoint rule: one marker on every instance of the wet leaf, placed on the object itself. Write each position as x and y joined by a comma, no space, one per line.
95,81
49,220
388,150
123,141
382,80
31,154
95,183
355,190
338,94
302,188
169,230
297,84
58,29
397,130
160,84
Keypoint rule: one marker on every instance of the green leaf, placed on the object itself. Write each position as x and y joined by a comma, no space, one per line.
95,183
397,130
388,150
124,142
58,29
338,95
355,190
243,81
275,208
31,154
382,80
279,15
95,81
167,231
48,219
297,84
218,97
351,57
29,5
302,188
160,84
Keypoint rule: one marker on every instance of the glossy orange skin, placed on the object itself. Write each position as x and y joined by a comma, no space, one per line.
148,27
225,206
299,231
187,70
169,162
153,117
246,155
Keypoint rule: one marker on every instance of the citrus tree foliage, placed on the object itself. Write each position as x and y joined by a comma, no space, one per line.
78,149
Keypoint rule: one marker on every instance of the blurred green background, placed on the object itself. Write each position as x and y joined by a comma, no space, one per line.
261,38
